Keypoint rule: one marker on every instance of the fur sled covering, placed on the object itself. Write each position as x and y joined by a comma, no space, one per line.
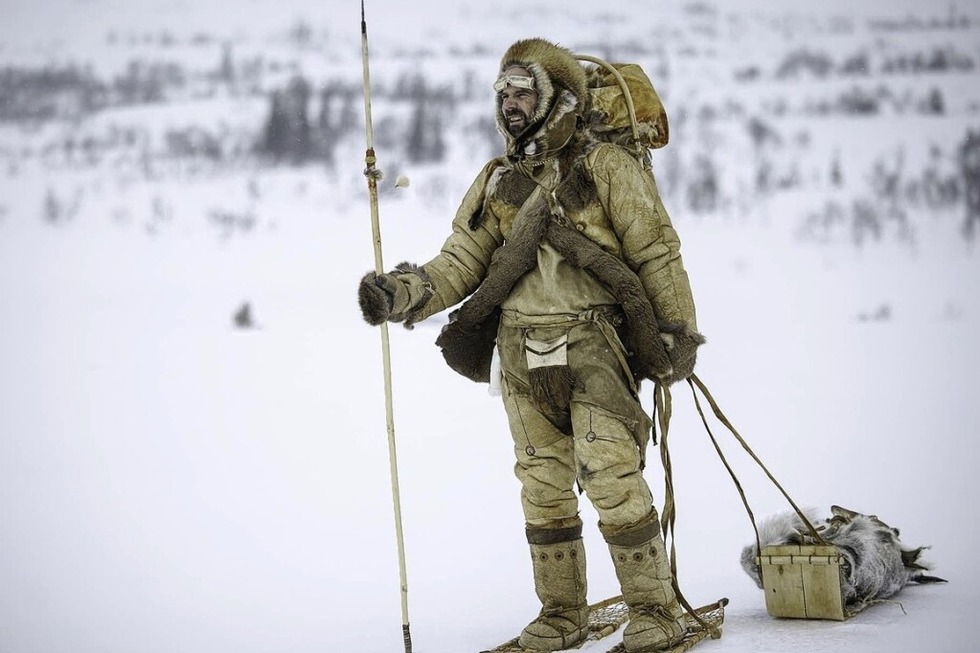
876,564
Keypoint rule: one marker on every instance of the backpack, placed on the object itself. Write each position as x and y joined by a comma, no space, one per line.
624,108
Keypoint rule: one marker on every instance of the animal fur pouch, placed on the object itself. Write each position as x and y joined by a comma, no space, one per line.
876,565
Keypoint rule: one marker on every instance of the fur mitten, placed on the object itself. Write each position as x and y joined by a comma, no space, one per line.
682,347
375,302
392,297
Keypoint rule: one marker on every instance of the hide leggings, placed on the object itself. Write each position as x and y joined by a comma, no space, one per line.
597,441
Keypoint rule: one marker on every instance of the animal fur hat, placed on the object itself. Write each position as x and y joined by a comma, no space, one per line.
561,83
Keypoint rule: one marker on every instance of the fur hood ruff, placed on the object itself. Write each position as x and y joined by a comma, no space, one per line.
561,83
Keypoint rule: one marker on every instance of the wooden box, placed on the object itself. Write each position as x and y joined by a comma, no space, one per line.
803,582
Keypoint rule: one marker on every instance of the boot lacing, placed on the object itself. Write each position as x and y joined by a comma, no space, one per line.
670,625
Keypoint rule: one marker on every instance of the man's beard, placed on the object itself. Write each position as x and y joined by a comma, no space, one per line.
516,128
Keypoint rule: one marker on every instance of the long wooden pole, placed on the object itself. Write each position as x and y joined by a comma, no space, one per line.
373,174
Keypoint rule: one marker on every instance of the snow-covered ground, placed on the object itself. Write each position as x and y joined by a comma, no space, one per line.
171,484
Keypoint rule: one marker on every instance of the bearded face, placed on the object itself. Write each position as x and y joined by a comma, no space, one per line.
517,113
518,98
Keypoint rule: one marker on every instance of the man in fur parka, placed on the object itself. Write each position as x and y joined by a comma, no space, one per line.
574,282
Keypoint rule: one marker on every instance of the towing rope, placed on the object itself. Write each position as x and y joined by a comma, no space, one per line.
662,412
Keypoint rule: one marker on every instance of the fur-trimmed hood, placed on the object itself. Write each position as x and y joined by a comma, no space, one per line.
561,83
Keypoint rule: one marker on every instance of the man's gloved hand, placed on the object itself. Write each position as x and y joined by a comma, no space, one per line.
682,346
391,297
376,302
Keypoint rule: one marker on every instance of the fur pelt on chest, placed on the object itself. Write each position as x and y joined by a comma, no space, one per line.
513,188
467,341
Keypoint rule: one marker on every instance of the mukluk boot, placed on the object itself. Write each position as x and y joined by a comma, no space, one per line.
656,619
559,581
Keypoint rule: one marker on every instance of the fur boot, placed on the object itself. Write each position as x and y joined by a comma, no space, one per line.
559,580
656,618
